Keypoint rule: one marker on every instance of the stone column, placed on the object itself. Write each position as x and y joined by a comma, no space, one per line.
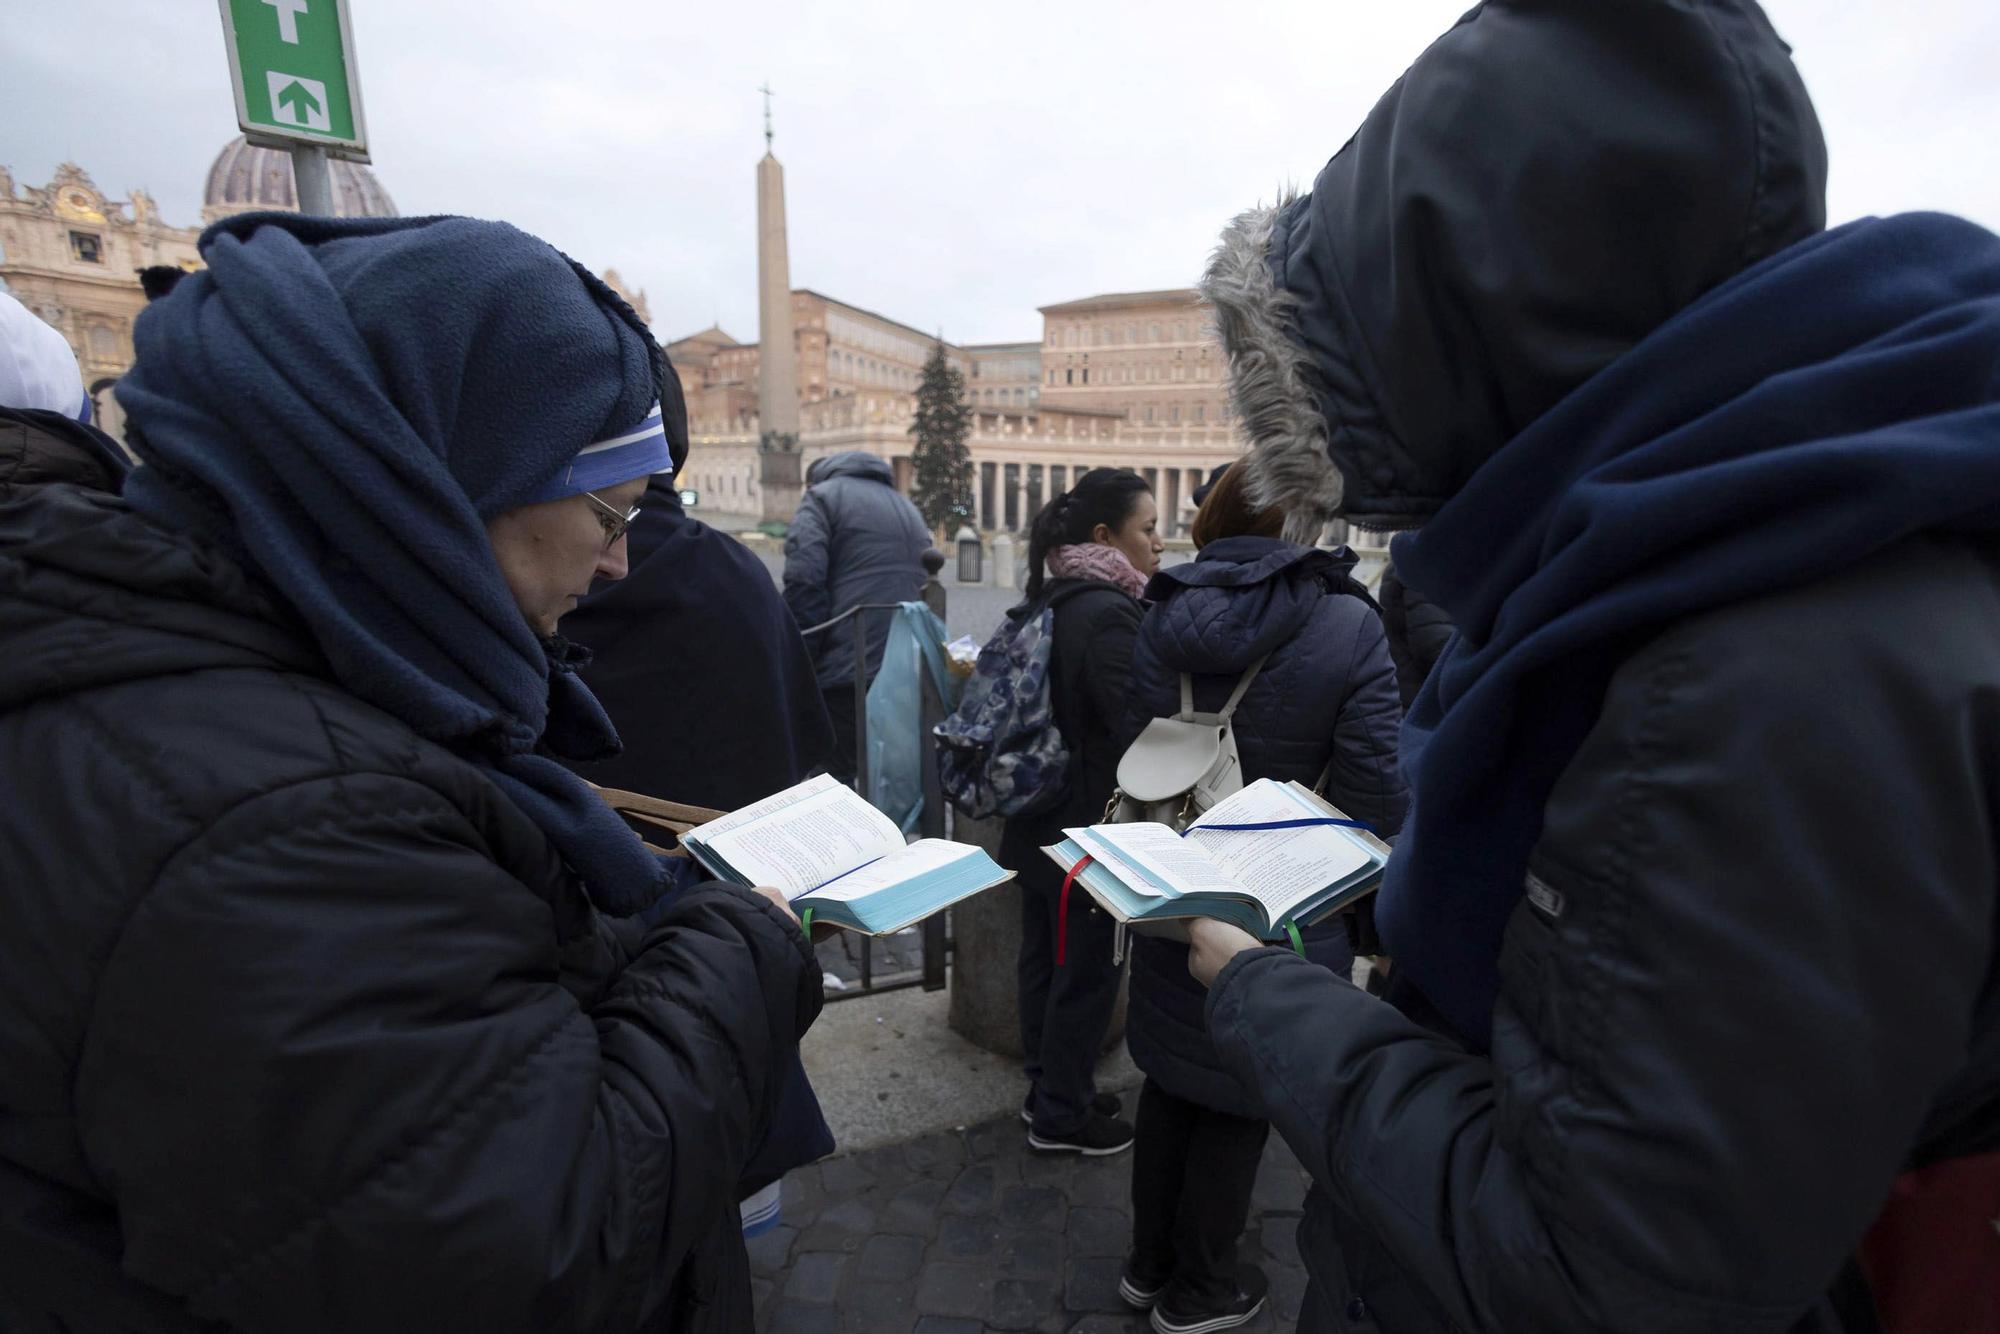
779,480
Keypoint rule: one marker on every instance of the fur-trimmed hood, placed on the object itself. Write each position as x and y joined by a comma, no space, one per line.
1544,187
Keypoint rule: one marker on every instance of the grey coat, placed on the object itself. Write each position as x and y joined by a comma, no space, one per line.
855,540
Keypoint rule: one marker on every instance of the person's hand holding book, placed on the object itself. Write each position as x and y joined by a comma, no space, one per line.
1212,944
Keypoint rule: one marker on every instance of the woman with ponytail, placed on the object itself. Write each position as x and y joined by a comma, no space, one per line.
1090,552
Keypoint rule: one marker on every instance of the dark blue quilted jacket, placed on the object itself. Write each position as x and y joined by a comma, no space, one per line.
1327,692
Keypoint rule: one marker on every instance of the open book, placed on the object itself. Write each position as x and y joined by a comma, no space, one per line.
828,850
1293,865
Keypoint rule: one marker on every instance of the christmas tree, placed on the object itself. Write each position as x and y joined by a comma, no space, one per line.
941,463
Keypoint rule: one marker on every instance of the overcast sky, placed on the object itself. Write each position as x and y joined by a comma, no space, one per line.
950,165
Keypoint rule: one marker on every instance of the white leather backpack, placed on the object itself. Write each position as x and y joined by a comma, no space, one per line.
1180,766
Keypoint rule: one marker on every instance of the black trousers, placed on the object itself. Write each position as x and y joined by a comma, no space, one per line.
840,710
1193,1171
1065,1009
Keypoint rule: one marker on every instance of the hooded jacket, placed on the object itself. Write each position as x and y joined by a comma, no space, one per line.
306,1026
1708,498
856,540
1544,187
1323,702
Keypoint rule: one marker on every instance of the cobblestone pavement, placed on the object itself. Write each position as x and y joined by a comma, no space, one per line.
968,1231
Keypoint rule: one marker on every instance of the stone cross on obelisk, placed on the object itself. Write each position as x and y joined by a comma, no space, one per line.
777,358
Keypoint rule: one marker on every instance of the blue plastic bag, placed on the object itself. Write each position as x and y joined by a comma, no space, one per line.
895,712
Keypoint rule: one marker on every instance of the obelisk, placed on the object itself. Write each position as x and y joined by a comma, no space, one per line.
777,356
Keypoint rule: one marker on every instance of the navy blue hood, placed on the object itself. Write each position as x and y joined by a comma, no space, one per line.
1237,601
343,404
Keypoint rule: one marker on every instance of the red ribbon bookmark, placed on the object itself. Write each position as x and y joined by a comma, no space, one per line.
1062,909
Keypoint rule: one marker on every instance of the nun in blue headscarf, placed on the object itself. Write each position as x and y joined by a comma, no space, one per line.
348,1005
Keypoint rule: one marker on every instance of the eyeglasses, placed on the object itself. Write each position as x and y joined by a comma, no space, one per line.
614,522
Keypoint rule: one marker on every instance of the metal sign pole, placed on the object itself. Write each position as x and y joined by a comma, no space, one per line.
314,178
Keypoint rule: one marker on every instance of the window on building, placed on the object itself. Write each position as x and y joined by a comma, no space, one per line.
1174,414
1149,412
1052,377
1200,413
1086,375
1131,333
1152,333
1069,377
1180,333
86,247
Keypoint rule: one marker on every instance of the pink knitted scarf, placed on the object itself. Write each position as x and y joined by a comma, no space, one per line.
1094,560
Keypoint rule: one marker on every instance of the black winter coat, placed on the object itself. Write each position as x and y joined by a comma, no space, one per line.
1418,630
1326,694
1090,665
1755,970
304,1025
38,447
1746,987
700,667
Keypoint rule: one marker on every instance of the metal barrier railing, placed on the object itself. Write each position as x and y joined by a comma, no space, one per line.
934,942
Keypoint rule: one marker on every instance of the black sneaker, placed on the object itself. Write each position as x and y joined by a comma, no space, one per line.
1098,1137
1104,1104
1170,1317
1136,1292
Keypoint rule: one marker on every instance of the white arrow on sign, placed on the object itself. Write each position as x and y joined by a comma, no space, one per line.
297,100
288,18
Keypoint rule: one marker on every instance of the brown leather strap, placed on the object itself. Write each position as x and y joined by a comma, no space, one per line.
676,818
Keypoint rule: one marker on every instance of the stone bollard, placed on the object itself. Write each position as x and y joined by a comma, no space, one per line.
1003,561
986,942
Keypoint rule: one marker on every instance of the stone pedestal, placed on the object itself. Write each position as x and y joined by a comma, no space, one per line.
986,942
779,481
1003,562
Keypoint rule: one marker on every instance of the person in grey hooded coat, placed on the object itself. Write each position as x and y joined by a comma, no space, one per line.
855,540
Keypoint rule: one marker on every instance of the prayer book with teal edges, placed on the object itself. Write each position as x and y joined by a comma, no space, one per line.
830,852
1267,858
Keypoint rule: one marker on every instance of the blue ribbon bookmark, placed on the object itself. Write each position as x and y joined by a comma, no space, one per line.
1305,822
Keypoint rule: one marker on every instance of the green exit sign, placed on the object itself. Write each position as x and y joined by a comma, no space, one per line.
292,62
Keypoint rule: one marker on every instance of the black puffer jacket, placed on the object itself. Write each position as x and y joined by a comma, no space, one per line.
1326,695
1090,665
1418,630
38,447
304,1025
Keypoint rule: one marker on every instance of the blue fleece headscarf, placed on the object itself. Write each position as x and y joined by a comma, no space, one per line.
343,404
1816,409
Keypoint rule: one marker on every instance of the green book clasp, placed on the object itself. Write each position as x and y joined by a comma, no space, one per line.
1291,928
806,923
